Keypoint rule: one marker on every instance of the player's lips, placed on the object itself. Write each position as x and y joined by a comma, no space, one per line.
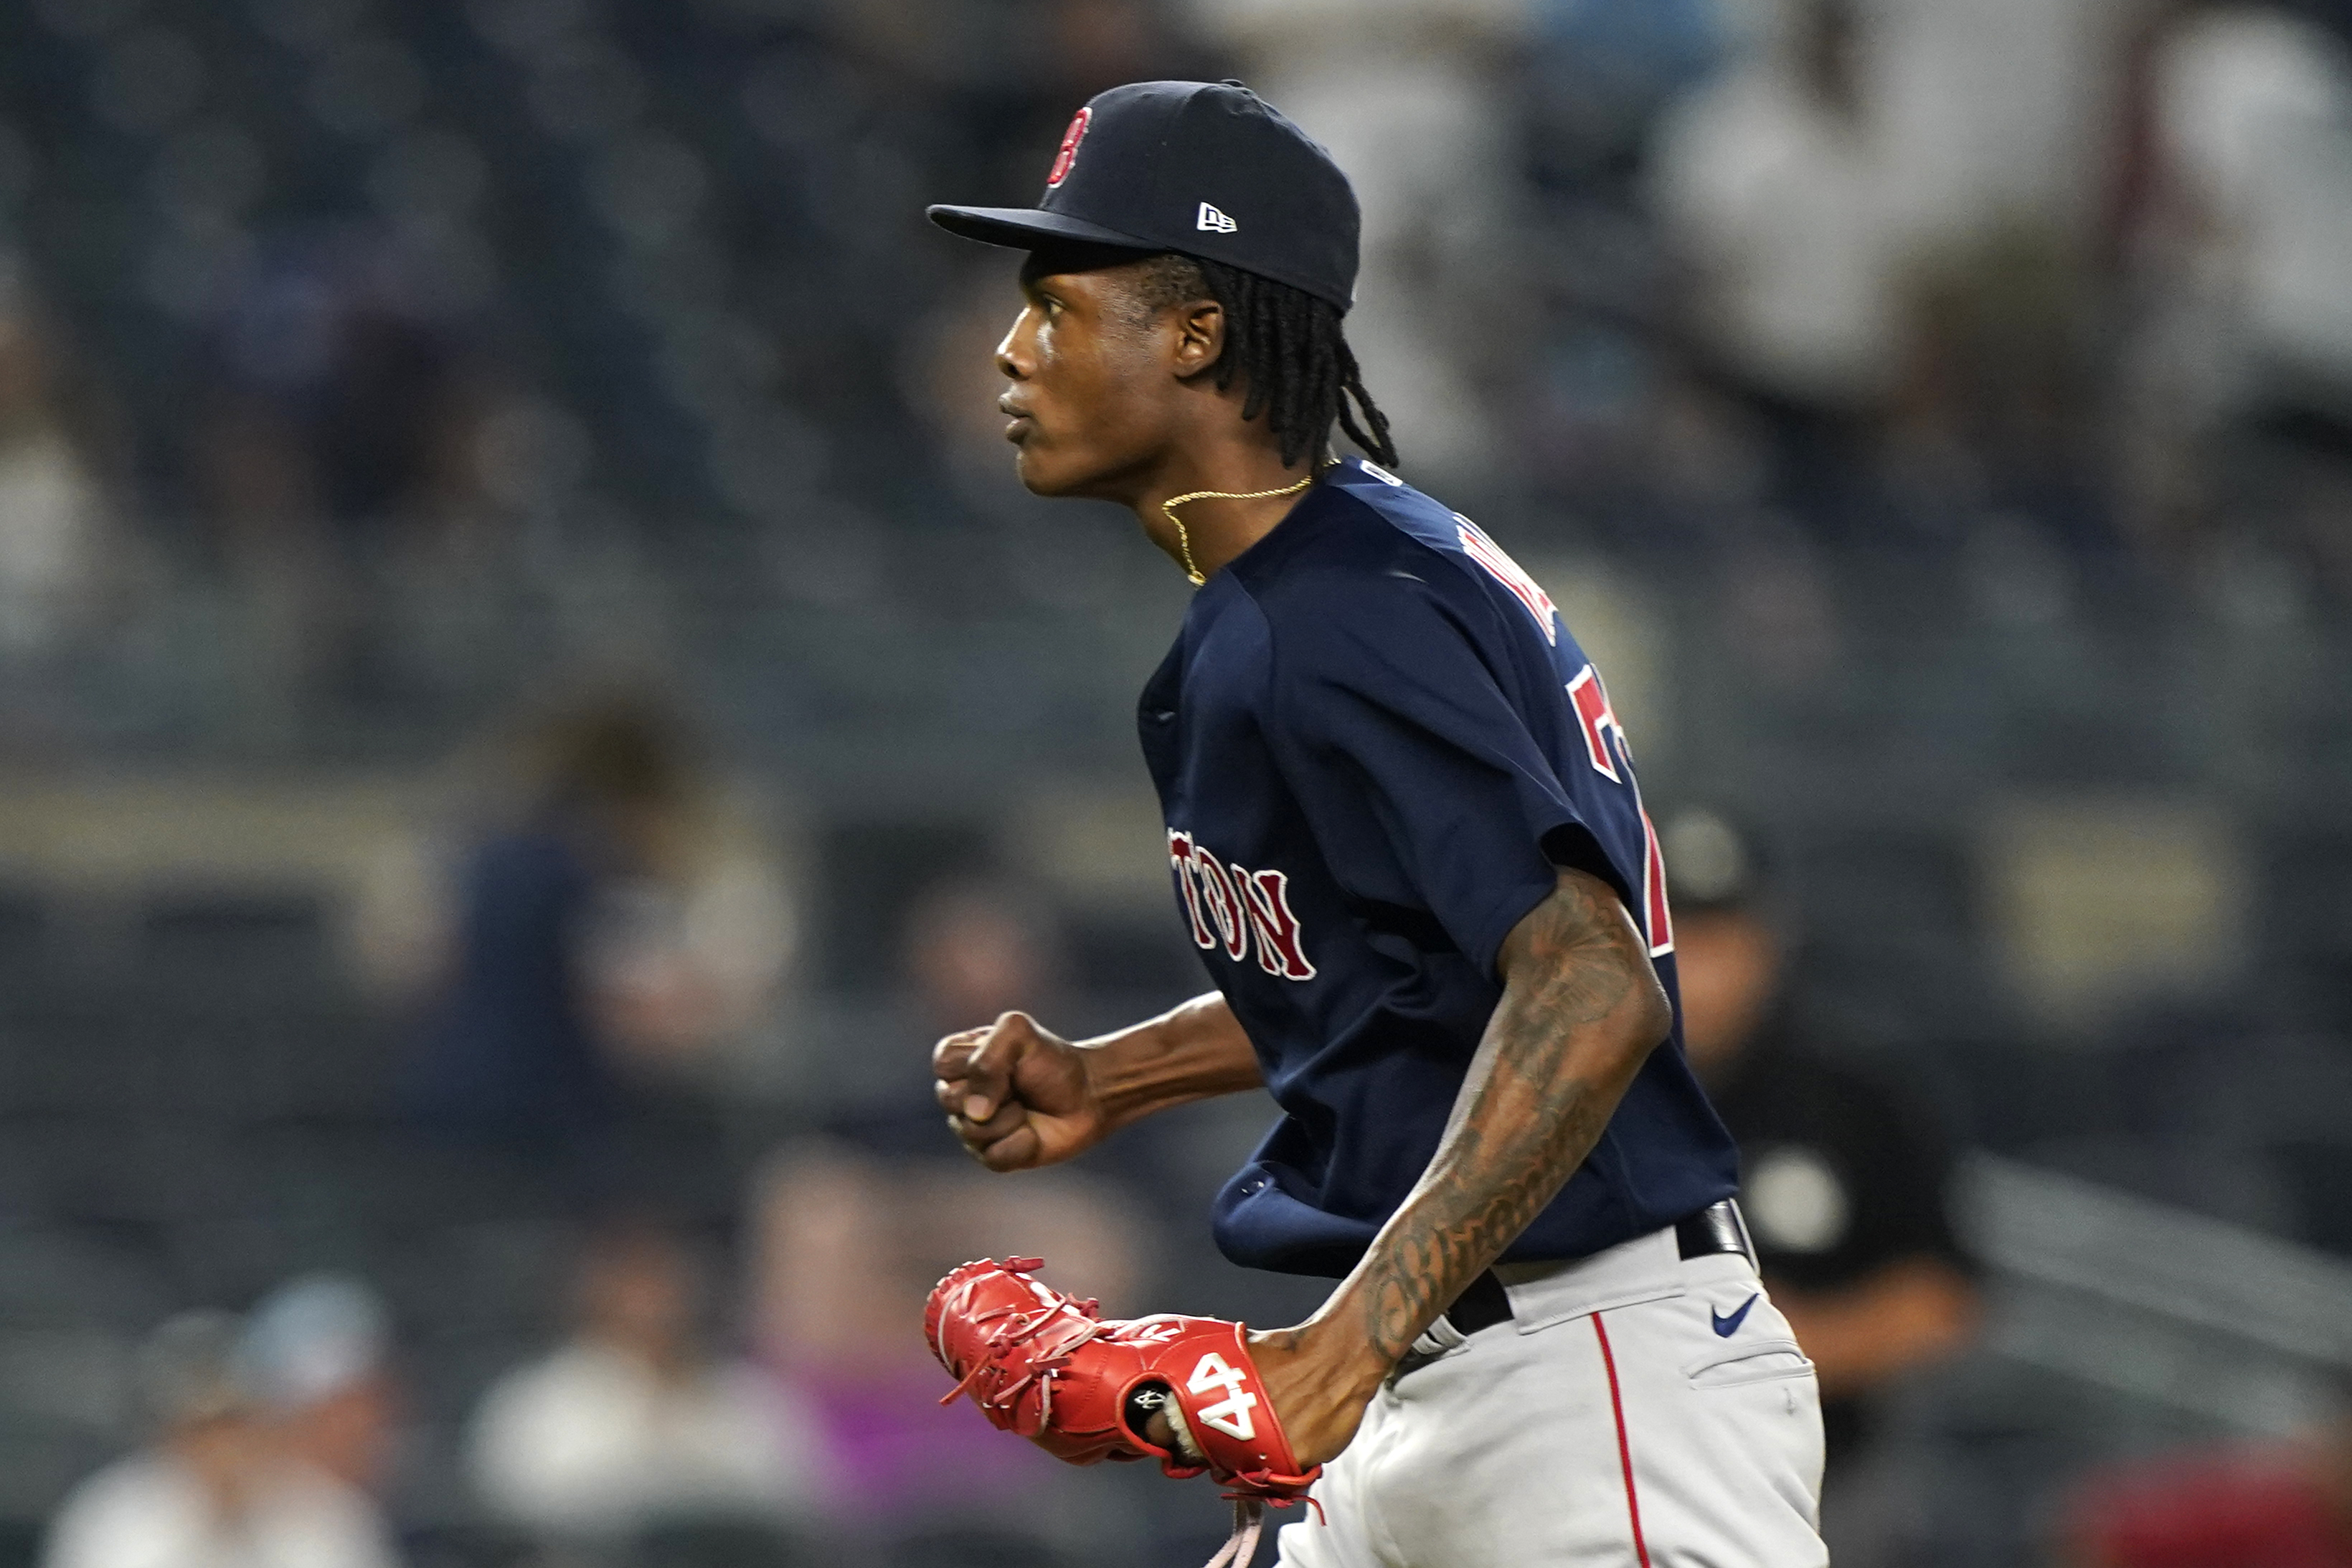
1022,420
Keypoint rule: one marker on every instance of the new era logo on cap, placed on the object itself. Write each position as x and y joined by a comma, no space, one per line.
1215,222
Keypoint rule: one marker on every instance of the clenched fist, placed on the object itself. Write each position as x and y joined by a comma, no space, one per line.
1017,1096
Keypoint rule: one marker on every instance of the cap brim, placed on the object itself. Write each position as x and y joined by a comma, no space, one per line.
1026,228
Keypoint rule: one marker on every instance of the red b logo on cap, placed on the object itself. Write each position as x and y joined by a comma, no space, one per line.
1069,153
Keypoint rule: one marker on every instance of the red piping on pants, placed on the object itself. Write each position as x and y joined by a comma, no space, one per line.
1624,1449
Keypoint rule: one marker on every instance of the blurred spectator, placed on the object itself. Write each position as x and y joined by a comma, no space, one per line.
53,536
968,947
342,399
635,1421
2249,105
316,1356
231,1480
974,949
1773,183
344,443
848,1249
1601,68
598,958
1843,1186
2237,213
2279,1506
1884,211
1404,93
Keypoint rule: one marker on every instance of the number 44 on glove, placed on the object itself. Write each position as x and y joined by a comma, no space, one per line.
1049,1368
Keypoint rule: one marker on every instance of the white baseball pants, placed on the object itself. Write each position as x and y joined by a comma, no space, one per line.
1639,1411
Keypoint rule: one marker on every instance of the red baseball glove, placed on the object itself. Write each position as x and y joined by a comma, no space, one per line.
1049,1368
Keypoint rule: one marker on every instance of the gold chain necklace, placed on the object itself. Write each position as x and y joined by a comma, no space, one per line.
1185,539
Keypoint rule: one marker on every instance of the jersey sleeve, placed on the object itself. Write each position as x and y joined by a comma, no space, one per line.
1423,781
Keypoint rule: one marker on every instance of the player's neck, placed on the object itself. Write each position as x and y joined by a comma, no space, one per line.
1218,530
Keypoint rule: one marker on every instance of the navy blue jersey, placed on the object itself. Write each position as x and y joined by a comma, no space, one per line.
1373,743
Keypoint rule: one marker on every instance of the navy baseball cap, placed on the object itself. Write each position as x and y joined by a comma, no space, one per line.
1207,169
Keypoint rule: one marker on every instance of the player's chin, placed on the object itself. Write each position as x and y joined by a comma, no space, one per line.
1046,472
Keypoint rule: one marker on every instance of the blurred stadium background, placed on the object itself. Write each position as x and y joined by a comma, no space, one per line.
414,420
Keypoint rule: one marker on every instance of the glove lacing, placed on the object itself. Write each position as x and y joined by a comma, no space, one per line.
1082,1319
1241,1546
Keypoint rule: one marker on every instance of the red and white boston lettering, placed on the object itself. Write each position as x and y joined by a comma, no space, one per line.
1069,153
1510,574
1592,711
1224,904
1266,895
1180,856
1230,907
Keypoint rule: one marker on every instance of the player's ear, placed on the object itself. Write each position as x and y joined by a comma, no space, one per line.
1199,336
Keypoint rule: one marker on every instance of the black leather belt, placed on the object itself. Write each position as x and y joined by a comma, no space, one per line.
1714,1228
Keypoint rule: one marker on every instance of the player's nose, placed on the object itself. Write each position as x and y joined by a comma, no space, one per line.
1010,362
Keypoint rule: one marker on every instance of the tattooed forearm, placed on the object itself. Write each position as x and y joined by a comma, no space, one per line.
1580,1010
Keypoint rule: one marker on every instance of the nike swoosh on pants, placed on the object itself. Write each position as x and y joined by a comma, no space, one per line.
1729,1326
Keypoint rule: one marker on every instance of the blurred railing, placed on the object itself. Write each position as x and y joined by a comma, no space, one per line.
2155,1303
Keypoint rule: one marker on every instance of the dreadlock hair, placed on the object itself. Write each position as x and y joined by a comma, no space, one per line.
1288,347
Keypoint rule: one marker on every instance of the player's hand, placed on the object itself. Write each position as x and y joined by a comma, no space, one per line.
1320,1385
1017,1096
1320,1379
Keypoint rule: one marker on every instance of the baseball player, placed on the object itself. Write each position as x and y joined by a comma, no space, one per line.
1405,834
